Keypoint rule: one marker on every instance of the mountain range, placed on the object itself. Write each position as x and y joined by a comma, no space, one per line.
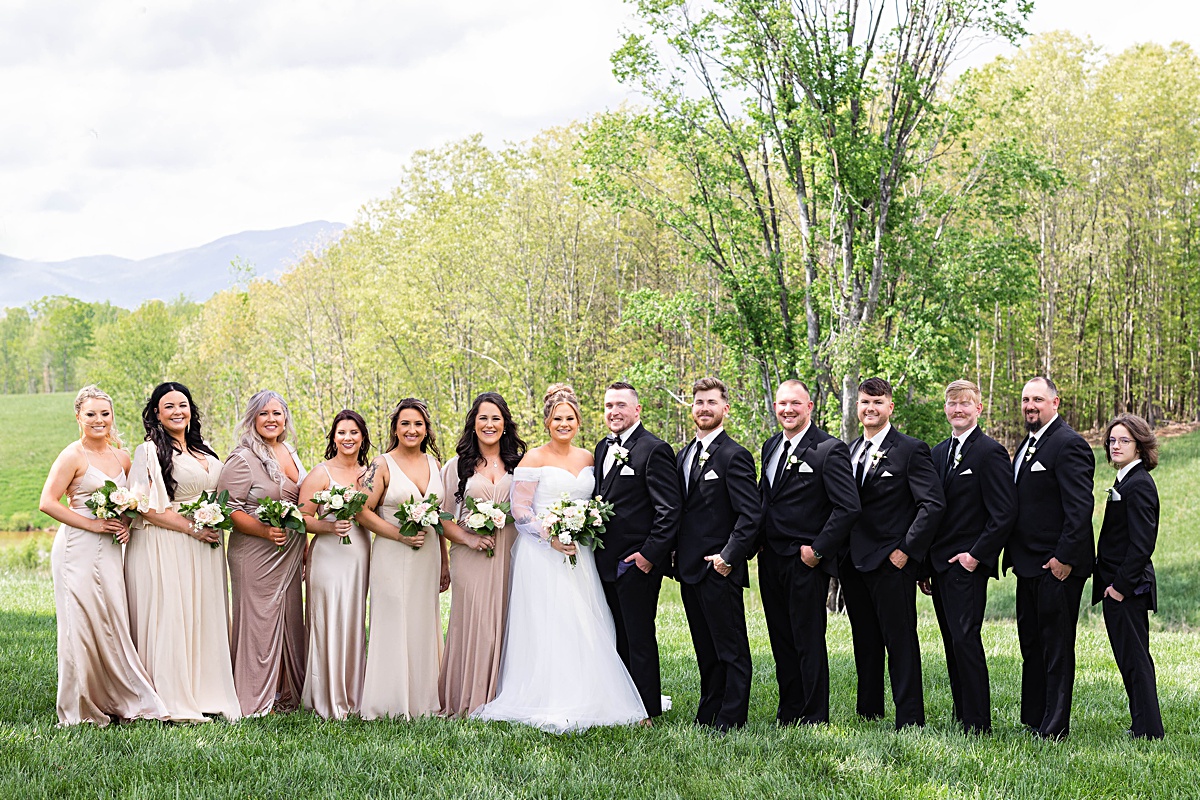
196,273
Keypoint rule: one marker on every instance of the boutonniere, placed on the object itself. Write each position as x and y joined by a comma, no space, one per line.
1113,495
958,458
878,454
791,462
1029,453
620,454
703,457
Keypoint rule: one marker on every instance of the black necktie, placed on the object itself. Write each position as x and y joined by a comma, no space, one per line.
694,474
861,469
950,455
782,465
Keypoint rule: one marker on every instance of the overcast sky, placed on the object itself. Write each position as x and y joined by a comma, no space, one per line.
137,128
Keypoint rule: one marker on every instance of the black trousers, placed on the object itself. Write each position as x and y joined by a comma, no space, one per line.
882,606
960,600
793,598
1128,625
716,618
633,600
1047,618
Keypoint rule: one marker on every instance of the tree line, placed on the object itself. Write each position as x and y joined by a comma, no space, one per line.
799,196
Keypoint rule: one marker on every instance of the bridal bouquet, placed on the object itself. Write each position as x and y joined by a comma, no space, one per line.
210,510
486,517
281,514
113,502
578,521
420,513
341,501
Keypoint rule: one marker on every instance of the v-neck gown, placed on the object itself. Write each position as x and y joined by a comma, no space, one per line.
179,597
337,619
404,650
99,671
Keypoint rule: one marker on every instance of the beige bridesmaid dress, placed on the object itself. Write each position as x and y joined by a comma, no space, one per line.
337,616
405,645
179,596
99,673
478,602
269,642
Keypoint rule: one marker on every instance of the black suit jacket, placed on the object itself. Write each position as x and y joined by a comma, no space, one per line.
1054,505
721,514
902,504
981,503
647,502
814,504
1127,538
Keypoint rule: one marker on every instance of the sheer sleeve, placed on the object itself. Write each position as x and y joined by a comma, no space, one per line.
146,480
524,485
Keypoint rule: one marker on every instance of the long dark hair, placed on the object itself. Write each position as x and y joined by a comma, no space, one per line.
429,443
470,457
331,448
163,443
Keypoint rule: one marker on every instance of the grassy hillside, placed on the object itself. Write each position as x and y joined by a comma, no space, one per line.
299,755
33,429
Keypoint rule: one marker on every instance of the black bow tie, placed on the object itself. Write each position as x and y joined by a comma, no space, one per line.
611,440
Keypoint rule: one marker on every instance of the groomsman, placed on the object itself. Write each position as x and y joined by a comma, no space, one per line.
809,502
637,475
981,509
1051,550
902,503
721,514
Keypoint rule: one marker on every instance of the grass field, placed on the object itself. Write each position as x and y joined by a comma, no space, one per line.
33,429
299,755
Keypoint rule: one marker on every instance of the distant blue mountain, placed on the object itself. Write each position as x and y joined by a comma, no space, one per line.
198,273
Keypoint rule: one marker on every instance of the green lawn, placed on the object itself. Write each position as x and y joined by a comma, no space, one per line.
299,755
33,429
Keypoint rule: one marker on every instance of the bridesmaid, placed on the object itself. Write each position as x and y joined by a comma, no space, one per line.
489,449
406,627
175,578
1124,575
100,676
337,578
268,611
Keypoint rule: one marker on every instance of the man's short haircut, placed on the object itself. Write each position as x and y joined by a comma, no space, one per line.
622,385
709,383
1049,384
875,387
961,387
795,383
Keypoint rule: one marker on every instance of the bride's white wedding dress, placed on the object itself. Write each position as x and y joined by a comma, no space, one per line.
559,670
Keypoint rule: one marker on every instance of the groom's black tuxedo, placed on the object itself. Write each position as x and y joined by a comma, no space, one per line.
721,514
647,503
809,500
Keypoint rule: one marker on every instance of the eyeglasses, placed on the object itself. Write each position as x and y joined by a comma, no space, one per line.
1123,441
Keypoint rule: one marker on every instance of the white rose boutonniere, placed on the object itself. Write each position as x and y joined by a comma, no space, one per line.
957,458
878,454
620,454
1029,453
703,457
791,462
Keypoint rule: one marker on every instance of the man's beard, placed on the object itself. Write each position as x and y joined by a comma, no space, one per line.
707,423
1033,427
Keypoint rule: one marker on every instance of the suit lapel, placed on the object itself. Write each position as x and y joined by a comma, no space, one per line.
802,447
770,447
609,476
712,448
962,454
875,468
1027,464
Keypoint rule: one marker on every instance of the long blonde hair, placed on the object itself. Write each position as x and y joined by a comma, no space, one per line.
93,392
248,434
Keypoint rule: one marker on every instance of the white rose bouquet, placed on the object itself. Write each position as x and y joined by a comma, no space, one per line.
113,502
577,521
210,510
342,502
486,517
420,513
281,514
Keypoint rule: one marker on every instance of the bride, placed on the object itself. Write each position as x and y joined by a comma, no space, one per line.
560,670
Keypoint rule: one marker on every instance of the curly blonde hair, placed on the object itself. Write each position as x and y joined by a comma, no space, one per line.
557,394
93,392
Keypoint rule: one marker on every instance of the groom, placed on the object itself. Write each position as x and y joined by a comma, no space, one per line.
636,473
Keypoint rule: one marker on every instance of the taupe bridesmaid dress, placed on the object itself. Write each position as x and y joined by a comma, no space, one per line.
268,642
99,672
179,596
478,602
337,616
405,646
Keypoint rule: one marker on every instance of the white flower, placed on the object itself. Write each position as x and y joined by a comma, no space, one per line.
98,498
878,454
336,502
122,497
499,518
565,538
476,520
550,520
703,457
620,454
485,507
321,497
957,458
792,461
1029,453
208,515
